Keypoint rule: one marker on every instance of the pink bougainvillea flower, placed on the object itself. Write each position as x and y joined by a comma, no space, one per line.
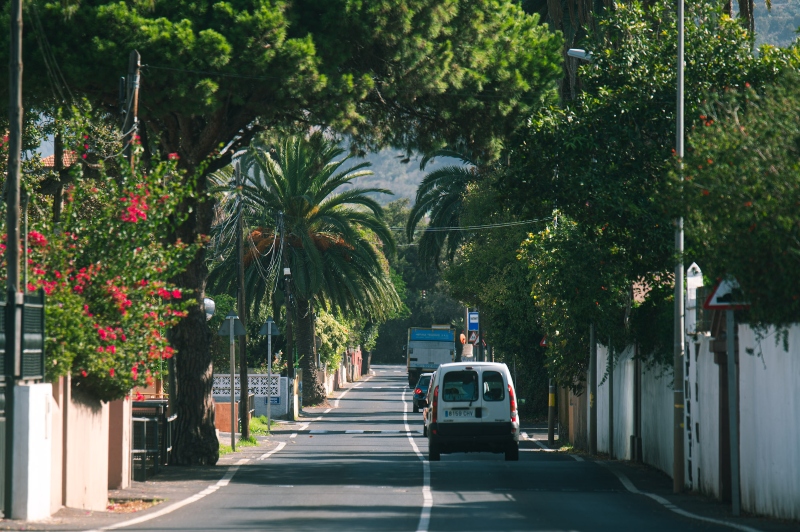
176,294
36,239
173,156
111,372
84,374
139,396
102,333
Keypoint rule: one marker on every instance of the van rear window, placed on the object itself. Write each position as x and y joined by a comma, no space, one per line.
460,386
493,386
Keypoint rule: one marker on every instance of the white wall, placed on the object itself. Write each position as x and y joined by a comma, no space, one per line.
657,417
32,451
769,417
623,402
705,416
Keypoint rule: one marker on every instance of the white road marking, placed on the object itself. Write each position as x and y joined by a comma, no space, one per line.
266,455
328,410
221,483
354,432
336,403
294,435
577,458
317,431
671,507
427,495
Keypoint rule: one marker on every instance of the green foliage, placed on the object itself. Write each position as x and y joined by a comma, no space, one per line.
424,296
440,197
333,334
410,73
486,273
106,272
331,239
741,191
605,164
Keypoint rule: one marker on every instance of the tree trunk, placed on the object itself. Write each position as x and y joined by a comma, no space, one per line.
196,440
313,388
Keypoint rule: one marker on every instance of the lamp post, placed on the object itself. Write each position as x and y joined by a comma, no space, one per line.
677,383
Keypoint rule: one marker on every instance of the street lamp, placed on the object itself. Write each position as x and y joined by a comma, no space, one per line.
579,53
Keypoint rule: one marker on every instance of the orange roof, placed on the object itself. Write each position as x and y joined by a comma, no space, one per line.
70,157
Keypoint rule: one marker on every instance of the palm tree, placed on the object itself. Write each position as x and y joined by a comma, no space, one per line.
299,217
440,195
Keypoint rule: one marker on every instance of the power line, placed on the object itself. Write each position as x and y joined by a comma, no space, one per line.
474,227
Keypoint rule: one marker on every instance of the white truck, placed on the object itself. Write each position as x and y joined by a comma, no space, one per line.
427,349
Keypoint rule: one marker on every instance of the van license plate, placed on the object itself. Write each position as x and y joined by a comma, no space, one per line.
459,413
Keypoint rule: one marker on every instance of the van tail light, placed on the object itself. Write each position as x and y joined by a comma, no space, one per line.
512,402
418,391
435,406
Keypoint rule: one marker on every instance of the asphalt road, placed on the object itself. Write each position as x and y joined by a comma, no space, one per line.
361,465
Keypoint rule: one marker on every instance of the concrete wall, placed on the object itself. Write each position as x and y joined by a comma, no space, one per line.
623,402
769,416
705,419
85,481
657,417
33,443
257,385
120,434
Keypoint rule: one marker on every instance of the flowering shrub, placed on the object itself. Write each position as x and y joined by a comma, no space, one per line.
106,275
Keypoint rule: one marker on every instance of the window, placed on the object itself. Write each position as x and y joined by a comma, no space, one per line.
460,386
493,386
424,381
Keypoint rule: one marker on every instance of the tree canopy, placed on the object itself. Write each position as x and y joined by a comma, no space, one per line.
414,74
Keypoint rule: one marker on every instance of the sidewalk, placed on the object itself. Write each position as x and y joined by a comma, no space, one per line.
652,484
173,484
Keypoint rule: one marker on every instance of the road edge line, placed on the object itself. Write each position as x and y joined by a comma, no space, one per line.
208,490
427,493
626,482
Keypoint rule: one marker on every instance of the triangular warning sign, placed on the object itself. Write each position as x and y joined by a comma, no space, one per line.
727,295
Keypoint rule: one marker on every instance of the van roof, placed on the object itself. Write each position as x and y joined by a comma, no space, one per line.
473,364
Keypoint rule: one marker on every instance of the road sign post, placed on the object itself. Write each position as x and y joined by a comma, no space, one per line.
727,296
232,327
270,329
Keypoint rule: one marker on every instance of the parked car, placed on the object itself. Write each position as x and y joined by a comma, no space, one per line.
421,390
471,407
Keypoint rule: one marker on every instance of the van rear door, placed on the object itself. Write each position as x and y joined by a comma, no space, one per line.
494,396
460,397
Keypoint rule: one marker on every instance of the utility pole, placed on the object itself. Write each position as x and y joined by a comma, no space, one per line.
244,392
287,300
58,166
132,106
678,385
592,390
14,298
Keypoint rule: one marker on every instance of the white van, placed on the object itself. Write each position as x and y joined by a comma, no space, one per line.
472,407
